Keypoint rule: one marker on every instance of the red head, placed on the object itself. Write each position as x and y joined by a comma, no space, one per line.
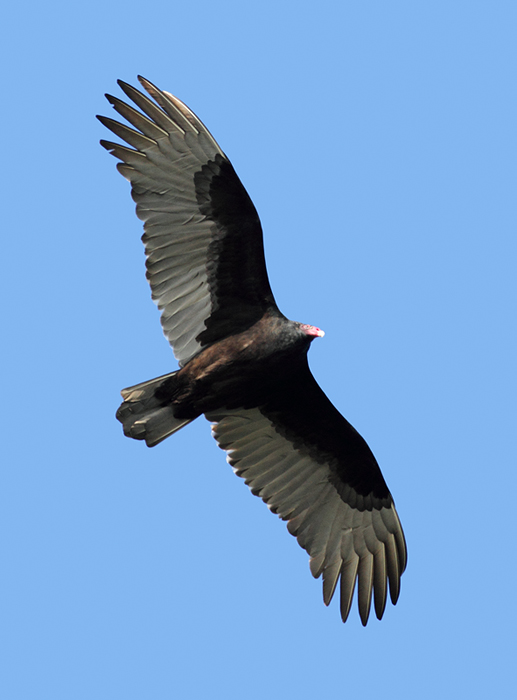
312,331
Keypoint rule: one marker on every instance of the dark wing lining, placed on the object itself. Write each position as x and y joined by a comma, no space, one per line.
313,469
236,264
203,239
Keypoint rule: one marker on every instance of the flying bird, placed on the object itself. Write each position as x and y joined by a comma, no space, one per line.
243,364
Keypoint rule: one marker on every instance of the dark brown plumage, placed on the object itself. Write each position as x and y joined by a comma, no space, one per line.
243,364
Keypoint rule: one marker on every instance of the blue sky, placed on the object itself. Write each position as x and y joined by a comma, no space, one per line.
378,142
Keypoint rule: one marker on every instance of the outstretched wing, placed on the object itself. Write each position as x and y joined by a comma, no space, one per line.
203,238
314,470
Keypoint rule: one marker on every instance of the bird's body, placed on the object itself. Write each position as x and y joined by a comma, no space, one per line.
243,364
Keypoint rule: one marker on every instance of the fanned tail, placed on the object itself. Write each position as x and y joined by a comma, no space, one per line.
144,417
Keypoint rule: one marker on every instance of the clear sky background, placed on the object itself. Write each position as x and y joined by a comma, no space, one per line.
378,142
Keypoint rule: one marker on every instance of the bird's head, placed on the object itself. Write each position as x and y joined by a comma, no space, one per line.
311,331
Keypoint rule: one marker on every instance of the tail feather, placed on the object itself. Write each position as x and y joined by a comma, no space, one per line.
144,417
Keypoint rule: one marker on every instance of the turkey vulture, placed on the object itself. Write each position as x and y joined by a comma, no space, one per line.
242,362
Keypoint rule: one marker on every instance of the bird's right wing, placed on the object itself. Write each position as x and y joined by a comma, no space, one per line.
314,470
203,238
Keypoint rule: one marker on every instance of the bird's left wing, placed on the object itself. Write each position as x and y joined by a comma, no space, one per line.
203,238
314,470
